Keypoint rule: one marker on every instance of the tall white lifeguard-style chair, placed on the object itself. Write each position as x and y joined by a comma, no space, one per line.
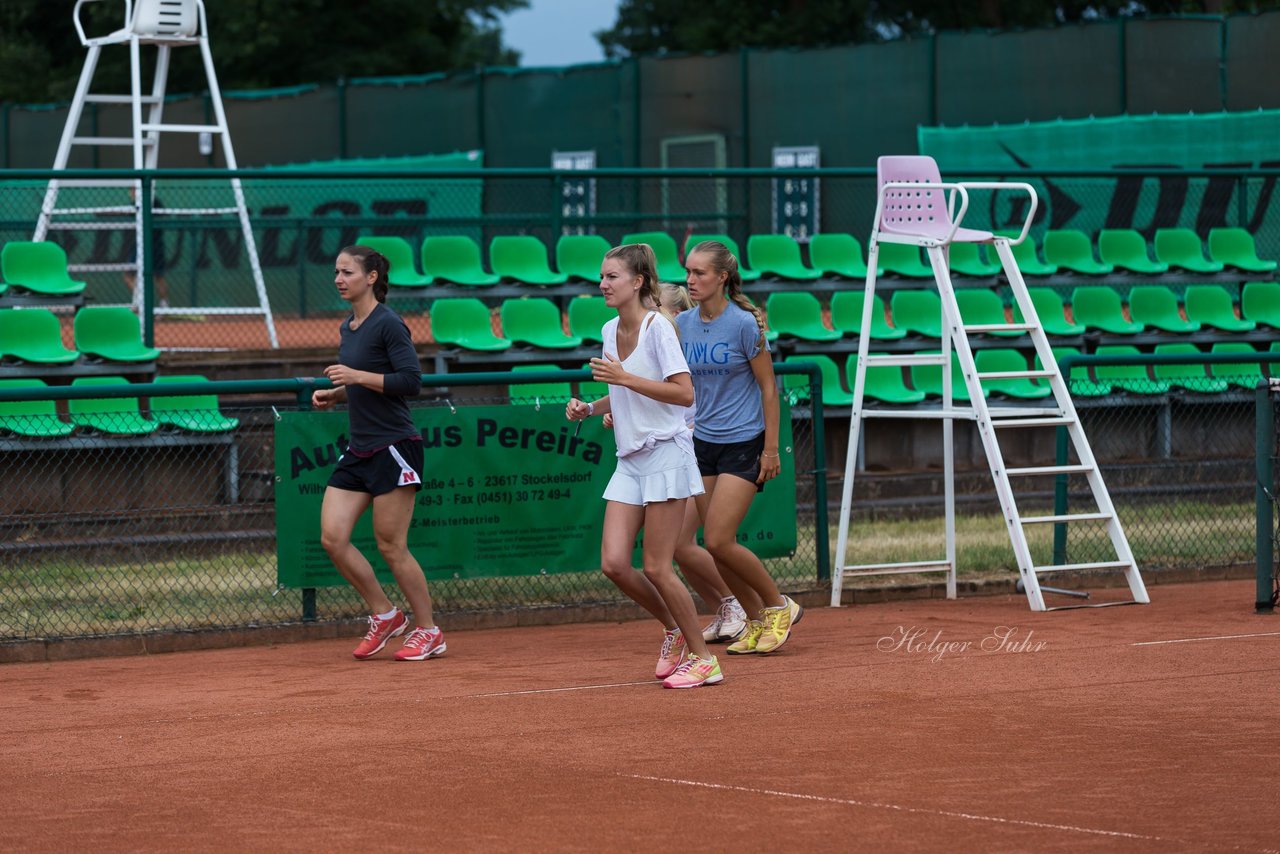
915,207
166,24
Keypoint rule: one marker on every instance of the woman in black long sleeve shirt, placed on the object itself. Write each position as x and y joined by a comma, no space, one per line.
377,369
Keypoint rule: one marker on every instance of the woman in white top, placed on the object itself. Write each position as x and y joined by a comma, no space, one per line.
657,473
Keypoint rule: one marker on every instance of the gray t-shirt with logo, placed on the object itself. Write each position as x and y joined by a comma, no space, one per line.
724,388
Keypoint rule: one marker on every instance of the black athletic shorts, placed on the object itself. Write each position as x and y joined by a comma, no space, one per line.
391,467
740,459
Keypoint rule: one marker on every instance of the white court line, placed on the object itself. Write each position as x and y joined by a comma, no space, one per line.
1119,834
1218,637
560,690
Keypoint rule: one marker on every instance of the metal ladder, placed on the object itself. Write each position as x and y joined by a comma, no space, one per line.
990,420
166,24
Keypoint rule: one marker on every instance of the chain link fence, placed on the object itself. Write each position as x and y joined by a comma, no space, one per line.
129,523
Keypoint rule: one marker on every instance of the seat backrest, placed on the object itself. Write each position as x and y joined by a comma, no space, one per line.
165,18
26,262
1261,301
588,315
723,239
529,314
912,211
580,255
515,254
538,392
399,255
451,254
836,252
455,316
917,311
792,309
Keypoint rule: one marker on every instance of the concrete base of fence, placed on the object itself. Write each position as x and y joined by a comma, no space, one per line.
63,649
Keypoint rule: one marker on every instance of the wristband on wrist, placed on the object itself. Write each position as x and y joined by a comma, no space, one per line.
769,455
591,409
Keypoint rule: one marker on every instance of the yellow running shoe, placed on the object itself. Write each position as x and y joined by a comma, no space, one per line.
777,625
746,644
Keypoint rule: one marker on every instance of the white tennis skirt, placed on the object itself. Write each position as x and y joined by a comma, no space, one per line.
664,472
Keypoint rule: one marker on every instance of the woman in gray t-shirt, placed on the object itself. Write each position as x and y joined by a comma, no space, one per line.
735,434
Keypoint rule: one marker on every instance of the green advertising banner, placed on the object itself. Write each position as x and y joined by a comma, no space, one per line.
507,490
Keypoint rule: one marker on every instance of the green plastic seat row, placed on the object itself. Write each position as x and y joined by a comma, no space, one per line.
1099,307
455,259
109,333
119,416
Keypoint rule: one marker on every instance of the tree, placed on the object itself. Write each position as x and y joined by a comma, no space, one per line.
259,43
658,26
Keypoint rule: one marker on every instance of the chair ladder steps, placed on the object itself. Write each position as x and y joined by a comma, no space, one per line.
157,127
1065,517
119,266
1035,470
108,140
989,420
120,99
1080,567
987,328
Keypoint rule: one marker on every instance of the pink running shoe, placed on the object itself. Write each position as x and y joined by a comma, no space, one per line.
422,643
672,656
694,673
380,631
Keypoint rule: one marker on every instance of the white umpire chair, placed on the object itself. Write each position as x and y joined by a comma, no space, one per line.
166,24
915,207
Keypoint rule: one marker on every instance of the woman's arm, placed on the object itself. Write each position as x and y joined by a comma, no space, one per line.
676,389
770,461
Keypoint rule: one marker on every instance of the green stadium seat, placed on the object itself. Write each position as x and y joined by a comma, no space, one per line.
883,383
39,268
1079,383
917,311
1024,388
979,305
928,379
404,270
587,316
904,259
539,393
664,249
1239,374
747,274
1260,302
1070,249
846,316
833,393
37,419
798,315
112,333
198,413
455,258
1051,311
1131,378
779,255
536,321
1211,305
1180,247
837,254
464,321
1189,377
3,288
1157,306
967,260
33,335
1098,307
522,257
578,256
1028,259
118,416
1234,247
1126,249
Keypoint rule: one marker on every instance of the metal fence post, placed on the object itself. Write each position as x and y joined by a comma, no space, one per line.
1265,429
305,387
821,535
147,254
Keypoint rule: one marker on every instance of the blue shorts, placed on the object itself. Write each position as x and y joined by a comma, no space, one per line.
382,471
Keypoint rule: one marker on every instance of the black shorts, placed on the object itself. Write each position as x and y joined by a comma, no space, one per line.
394,466
740,459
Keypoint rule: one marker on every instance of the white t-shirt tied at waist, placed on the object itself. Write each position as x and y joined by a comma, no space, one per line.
640,422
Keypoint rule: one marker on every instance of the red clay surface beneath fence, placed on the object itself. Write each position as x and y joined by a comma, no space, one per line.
1144,728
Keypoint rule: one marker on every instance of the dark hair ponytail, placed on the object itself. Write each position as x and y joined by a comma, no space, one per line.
373,261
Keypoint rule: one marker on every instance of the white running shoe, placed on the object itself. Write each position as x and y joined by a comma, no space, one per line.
730,622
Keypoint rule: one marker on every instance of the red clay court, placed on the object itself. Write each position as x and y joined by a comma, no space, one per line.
883,726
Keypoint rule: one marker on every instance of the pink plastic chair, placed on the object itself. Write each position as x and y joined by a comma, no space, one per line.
921,212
